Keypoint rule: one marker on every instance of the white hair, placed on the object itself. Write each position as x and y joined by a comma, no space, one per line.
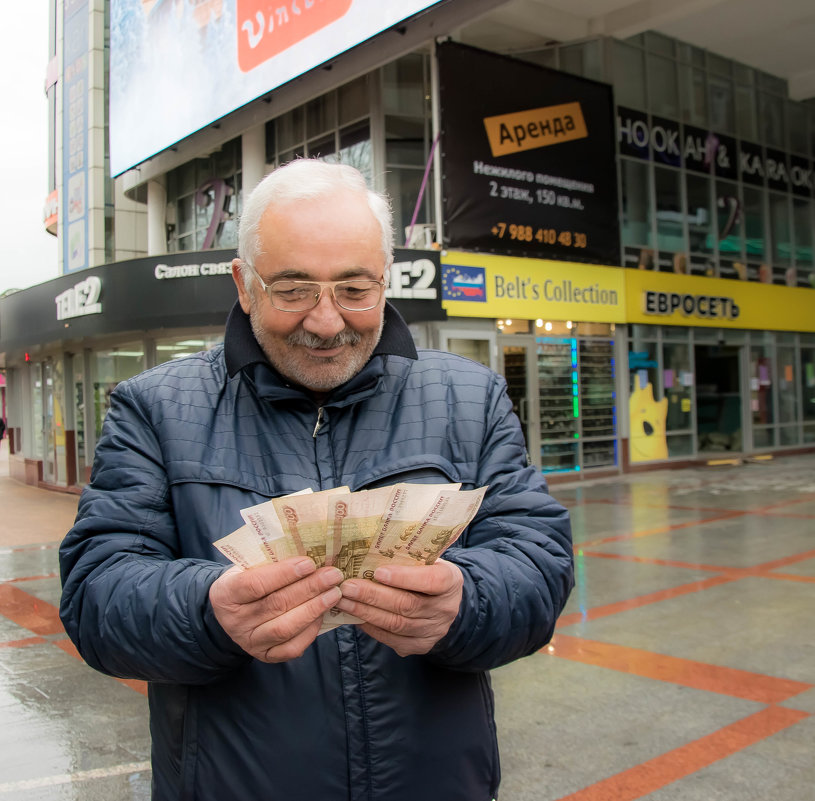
302,179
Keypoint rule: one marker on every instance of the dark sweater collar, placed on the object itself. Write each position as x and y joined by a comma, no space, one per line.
241,349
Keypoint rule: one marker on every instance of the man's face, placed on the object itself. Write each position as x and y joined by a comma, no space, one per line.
331,238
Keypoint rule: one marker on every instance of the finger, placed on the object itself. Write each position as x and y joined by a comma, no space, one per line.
397,611
297,594
254,583
404,646
287,636
435,579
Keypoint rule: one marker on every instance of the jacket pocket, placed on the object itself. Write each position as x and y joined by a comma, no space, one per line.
416,468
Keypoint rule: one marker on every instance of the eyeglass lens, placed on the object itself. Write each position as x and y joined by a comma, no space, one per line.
304,295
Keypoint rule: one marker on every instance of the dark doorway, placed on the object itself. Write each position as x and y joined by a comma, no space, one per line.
718,399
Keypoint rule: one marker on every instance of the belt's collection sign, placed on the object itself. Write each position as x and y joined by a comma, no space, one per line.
529,166
478,285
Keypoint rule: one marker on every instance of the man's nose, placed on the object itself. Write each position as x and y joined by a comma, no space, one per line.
325,319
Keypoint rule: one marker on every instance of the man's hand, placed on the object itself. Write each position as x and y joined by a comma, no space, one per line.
407,608
274,611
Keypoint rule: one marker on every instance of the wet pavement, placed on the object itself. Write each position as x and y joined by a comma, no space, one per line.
683,666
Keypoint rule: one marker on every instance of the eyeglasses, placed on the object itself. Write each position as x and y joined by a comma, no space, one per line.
299,296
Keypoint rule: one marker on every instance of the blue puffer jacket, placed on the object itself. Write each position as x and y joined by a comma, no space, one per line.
187,445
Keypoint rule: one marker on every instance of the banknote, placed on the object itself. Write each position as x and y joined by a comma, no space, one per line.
354,519
243,547
404,524
450,514
406,508
304,519
263,520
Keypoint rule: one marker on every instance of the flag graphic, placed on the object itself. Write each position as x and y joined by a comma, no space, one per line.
463,283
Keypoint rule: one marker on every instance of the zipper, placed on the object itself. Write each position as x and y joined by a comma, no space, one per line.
318,423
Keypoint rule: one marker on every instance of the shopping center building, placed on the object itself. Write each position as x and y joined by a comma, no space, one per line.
614,208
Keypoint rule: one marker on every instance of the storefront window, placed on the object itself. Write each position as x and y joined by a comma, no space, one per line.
700,220
722,113
771,117
82,460
598,413
802,231
670,236
787,385
108,368
693,89
38,451
780,229
662,87
636,203
677,383
407,140
746,113
559,403
628,75
761,395
205,196
54,461
730,220
808,392
754,223
179,347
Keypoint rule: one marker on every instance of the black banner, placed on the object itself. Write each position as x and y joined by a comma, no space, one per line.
529,163
176,290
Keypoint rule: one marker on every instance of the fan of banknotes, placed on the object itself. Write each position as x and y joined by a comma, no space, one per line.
402,524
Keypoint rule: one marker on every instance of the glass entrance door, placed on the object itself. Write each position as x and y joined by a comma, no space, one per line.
519,369
558,400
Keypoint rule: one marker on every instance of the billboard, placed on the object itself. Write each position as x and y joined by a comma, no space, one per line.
179,65
75,136
529,162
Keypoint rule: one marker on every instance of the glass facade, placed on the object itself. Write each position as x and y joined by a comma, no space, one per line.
719,180
204,198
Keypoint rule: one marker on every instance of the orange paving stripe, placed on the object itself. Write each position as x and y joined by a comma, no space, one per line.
134,684
43,618
22,643
28,611
756,570
655,773
665,529
643,600
32,578
687,672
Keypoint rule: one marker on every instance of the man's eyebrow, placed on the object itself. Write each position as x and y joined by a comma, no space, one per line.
294,274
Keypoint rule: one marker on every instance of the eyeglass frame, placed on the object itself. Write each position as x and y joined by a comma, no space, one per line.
322,284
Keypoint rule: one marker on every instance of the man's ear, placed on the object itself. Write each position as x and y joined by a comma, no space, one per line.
244,296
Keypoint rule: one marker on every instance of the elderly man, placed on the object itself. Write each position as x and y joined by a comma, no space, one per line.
318,385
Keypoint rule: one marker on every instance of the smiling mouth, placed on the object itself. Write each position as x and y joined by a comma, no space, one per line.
323,353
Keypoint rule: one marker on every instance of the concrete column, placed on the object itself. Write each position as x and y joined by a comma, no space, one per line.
156,217
253,157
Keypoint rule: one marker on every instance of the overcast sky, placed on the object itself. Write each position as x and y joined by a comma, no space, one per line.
28,255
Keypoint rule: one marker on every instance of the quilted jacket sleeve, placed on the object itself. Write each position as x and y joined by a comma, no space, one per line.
516,555
131,606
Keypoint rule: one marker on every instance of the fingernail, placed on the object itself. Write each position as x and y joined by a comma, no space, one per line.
332,576
304,567
382,574
350,590
330,597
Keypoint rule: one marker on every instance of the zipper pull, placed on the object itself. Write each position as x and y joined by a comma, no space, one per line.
319,422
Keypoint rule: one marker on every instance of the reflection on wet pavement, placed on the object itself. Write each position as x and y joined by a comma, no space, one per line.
683,666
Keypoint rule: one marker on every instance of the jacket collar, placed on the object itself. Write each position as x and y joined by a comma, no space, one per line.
241,349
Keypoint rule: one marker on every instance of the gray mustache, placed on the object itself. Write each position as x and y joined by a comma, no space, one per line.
308,340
